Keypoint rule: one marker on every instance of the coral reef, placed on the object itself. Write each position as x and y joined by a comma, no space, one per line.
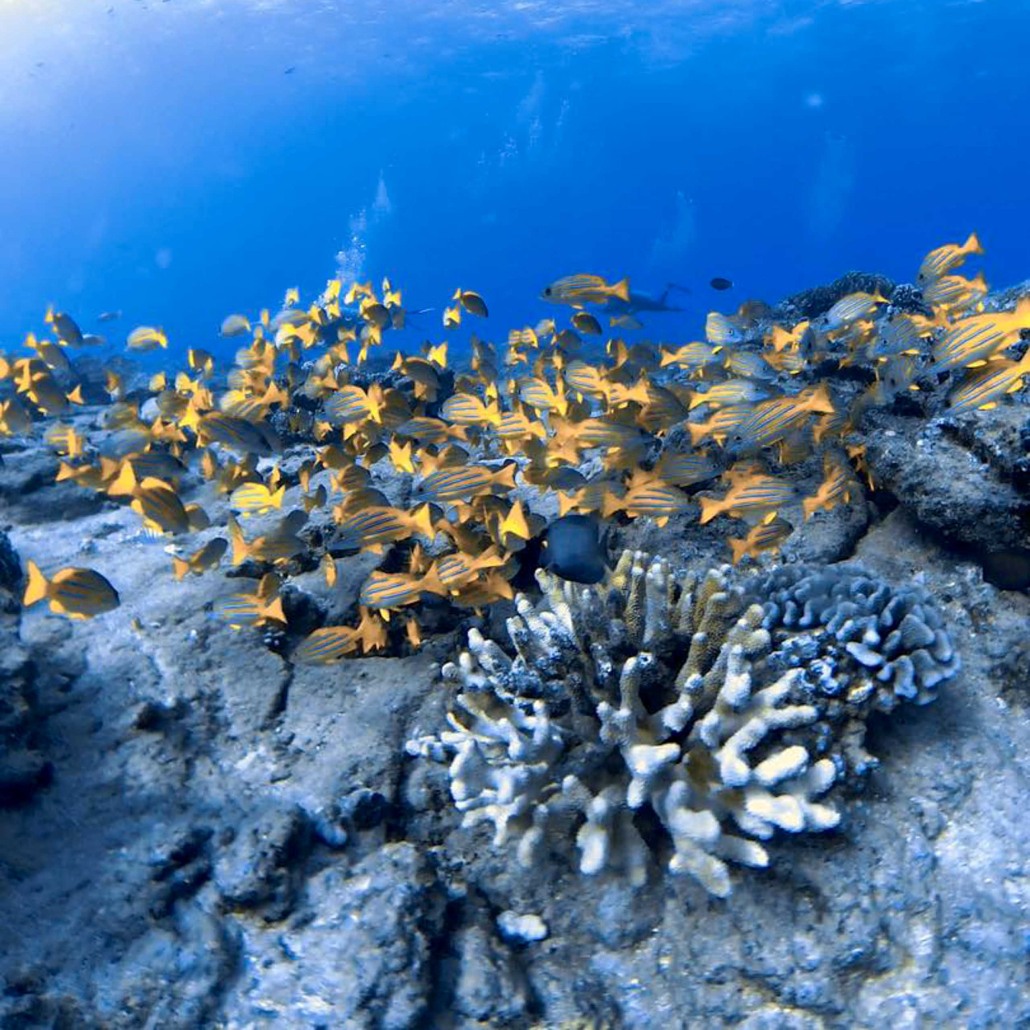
818,300
176,781
662,692
681,696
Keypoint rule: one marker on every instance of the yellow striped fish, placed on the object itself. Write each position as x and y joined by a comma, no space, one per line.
331,643
982,392
465,409
463,483
943,259
371,527
207,557
976,339
256,498
77,593
755,494
585,289
768,535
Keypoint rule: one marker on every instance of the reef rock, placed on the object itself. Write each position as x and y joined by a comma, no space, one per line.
952,477
23,767
29,492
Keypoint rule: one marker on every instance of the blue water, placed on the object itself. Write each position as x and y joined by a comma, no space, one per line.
184,160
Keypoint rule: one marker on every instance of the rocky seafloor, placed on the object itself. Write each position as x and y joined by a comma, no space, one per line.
194,832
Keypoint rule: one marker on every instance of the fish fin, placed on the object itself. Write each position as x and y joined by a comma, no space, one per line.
179,568
36,588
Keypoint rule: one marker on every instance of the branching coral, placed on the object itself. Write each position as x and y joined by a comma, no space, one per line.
660,700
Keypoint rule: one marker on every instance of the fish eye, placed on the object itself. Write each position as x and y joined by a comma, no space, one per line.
547,292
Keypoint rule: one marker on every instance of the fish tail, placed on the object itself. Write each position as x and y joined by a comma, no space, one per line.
422,522
820,400
125,484
809,506
610,504
274,611
179,568
506,476
240,550
36,588
277,497
431,583
621,290
973,245
698,431
710,508
738,545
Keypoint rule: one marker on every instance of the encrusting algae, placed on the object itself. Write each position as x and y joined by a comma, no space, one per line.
549,414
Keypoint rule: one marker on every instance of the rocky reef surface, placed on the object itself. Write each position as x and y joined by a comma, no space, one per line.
194,832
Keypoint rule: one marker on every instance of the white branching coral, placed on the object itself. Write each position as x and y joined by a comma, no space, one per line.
626,705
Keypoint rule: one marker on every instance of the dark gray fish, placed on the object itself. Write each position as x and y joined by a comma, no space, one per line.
572,549
66,328
643,302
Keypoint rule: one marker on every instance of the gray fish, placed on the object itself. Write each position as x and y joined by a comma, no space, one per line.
66,328
572,549
643,302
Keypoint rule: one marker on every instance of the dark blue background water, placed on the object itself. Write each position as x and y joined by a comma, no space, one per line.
182,161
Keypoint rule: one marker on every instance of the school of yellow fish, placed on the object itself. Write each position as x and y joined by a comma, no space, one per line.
531,417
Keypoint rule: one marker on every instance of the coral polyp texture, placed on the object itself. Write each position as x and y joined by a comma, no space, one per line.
892,643
696,704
